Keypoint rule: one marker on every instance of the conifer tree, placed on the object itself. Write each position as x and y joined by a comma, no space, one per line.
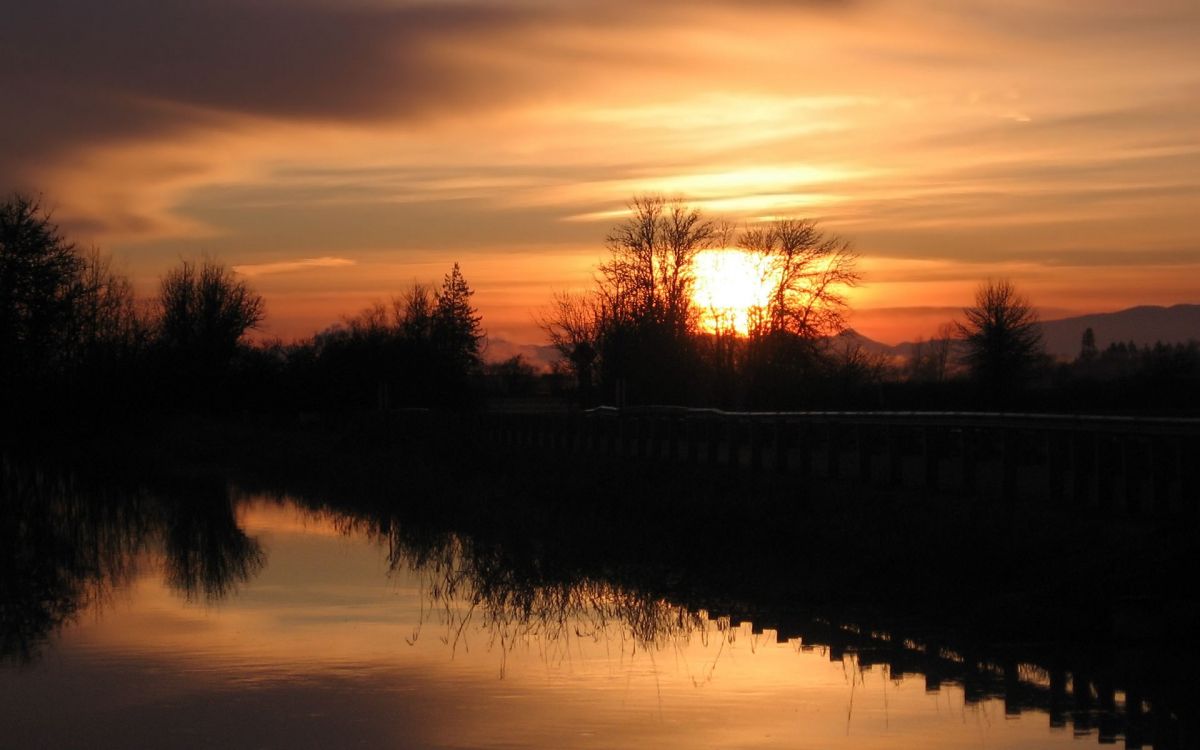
1087,346
456,324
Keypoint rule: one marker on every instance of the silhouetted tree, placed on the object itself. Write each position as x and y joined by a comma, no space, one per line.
456,325
807,272
573,324
420,349
416,354
640,331
649,277
205,311
930,361
647,316
512,377
70,329
855,373
1087,346
1002,339
582,359
40,284
413,313
111,327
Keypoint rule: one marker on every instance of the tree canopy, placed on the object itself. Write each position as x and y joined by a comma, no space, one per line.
205,311
40,285
640,329
1002,339
61,308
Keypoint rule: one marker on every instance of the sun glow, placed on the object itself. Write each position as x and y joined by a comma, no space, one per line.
732,286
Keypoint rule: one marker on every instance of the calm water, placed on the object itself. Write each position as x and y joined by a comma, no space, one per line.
134,621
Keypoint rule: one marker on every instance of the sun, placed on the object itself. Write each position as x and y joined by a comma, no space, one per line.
731,286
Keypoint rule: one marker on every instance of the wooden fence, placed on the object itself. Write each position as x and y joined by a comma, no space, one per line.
1136,465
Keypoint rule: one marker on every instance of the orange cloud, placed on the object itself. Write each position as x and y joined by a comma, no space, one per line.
303,264
981,136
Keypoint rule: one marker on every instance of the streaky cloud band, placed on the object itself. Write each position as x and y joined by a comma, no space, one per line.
288,266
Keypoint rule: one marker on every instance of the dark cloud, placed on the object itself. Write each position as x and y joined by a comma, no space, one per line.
44,118
298,60
75,72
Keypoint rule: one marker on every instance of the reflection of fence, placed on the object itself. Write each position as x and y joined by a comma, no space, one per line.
1090,702
1109,463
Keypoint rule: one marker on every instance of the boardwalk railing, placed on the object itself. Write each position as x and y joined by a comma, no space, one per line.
1133,464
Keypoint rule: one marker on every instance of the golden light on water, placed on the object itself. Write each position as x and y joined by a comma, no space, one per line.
732,286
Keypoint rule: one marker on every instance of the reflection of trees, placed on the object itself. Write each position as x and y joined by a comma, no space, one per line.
66,545
207,553
515,597
62,548
514,593
513,600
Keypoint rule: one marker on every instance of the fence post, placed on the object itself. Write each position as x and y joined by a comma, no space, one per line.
804,449
707,436
1081,695
969,460
742,437
862,440
895,449
692,433
933,458
1010,463
754,437
1135,721
1189,475
832,457
1133,481
1160,475
1079,474
1058,699
1053,467
1106,456
782,445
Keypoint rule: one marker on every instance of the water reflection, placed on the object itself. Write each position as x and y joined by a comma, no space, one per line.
207,553
466,585
514,603
296,598
63,549
68,544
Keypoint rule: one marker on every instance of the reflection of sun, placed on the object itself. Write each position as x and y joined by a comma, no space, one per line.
730,286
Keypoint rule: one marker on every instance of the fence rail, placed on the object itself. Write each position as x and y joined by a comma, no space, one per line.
1131,464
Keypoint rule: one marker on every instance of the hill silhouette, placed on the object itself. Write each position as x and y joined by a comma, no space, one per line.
541,356
1144,325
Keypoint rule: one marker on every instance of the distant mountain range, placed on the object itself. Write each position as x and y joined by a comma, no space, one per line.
1144,325
541,356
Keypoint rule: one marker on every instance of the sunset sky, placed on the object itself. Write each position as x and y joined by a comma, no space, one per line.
337,151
